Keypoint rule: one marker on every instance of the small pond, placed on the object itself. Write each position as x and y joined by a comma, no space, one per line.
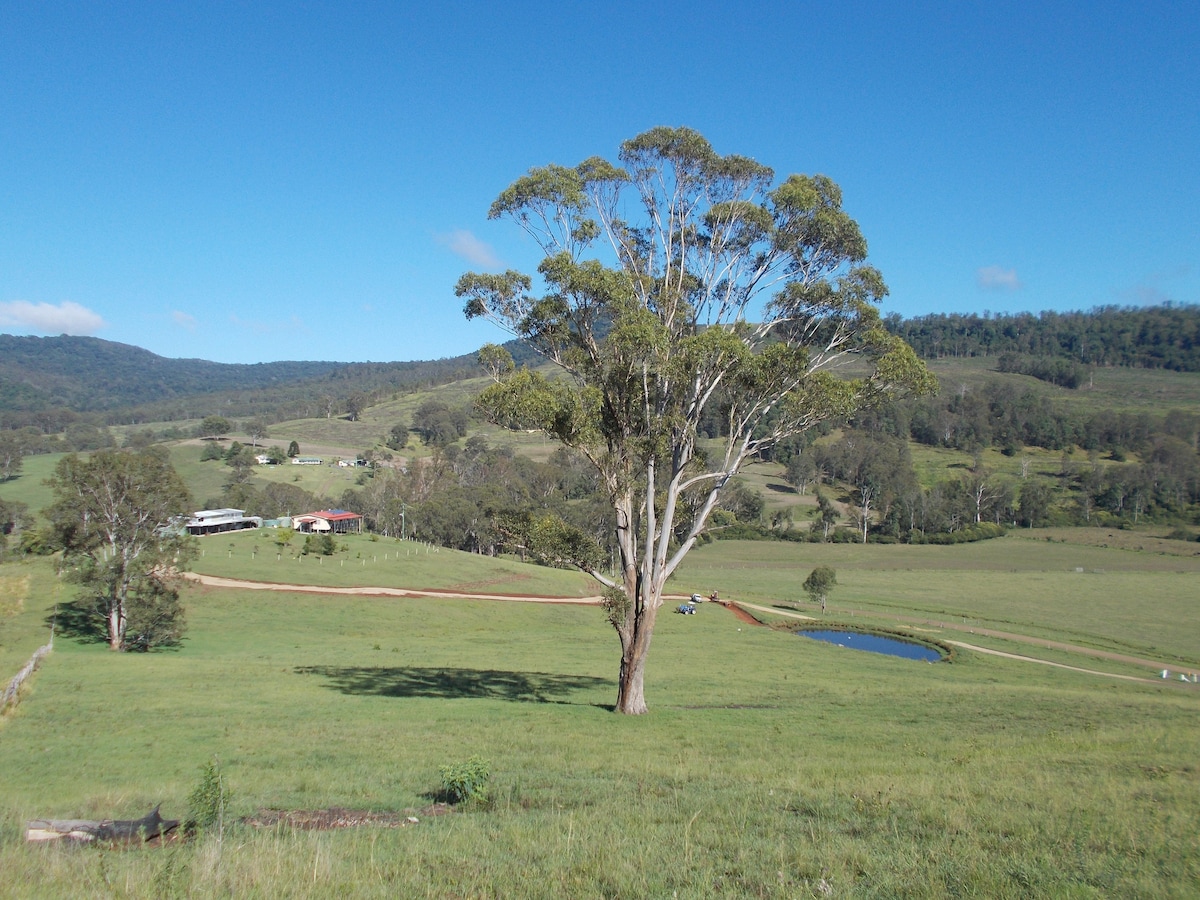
873,643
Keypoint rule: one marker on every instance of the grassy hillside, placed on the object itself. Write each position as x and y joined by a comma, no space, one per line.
770,765
1115,388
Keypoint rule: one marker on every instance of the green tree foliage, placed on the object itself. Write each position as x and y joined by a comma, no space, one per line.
256,430
214,426
355,404
293,450
1034,503
239,456
1062,372
140,439
85,436
320,544
14,518
397,438
728,291
827,516
819,583
741,501
115,516
438,424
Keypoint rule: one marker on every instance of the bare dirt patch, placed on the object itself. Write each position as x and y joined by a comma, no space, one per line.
740,614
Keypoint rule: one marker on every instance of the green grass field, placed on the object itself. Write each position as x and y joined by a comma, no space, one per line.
383,562
28,487
769,766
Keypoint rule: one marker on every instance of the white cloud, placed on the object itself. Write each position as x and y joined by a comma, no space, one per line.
472,249
66,318
996,278
183,320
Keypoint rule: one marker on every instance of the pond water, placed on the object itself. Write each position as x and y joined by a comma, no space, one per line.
873,643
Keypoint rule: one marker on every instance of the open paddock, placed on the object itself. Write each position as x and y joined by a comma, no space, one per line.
769,766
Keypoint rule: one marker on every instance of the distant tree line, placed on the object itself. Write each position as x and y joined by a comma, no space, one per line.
999,414
1152,337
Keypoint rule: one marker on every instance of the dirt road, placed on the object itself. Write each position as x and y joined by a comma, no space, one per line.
215,581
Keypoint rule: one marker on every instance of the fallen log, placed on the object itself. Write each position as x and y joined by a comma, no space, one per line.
151,825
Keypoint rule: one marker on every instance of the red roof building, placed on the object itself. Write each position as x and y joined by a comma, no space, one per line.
336,521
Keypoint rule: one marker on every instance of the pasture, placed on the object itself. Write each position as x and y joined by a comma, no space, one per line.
769,765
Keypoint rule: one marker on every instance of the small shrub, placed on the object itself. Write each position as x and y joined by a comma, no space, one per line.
207,802
467,781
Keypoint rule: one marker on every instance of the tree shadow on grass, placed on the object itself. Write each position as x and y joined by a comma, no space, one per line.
80,621
454,684
84,622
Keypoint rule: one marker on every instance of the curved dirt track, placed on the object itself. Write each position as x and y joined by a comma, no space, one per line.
738,609
1057,665
216,581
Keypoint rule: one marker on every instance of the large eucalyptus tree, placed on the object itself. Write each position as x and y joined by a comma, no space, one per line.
678,283
117,516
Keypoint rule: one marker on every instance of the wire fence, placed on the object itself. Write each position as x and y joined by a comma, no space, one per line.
11,692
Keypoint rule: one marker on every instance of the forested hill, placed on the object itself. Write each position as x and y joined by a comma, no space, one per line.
1154,337
88,374
45,379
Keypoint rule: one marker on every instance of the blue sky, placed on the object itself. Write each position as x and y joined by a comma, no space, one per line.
248,182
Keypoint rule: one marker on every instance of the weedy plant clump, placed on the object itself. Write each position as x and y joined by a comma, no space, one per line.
466,782
208,800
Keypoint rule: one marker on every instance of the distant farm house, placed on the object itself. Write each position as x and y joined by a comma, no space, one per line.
307,461
336,521
216,521
351,463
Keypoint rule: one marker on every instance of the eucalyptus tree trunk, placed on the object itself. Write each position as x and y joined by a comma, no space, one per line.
635,647
631,691
116,626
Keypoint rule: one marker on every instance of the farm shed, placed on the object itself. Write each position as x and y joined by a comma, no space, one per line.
216,521
337,521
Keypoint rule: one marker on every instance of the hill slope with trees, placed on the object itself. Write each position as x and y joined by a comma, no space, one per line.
50,383
1151,337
